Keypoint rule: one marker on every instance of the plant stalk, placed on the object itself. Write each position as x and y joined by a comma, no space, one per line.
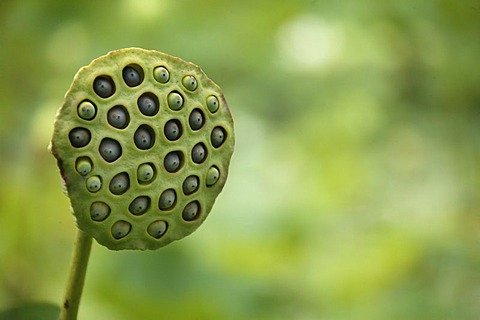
76,277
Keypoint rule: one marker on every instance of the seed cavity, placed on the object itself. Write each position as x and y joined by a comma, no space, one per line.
139,206
119,183
104,86
199,153
161,74
212,104
189,82
94,184
83,165
175,100
218,136
173,130
157,229
120,229
86,110
79,137
110,149
168,198
132,75
145,173
99,211
190,185
196,119
144,137
118,117
191,211
148,104
213,175
173,161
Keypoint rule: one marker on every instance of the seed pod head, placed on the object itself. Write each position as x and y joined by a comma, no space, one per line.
143,142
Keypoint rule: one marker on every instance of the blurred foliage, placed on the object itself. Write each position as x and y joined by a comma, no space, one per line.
354,188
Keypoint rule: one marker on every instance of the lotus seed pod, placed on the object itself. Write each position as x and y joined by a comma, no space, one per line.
86,110
175,100
104,86
212,176
173,130
143,142
118,117
161,74
145,172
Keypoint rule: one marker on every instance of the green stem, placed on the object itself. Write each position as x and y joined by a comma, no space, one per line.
76,278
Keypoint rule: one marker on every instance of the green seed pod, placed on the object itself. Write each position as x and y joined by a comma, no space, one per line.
104,86
167,200
94,183
110,149
173,130
189,82
191,211
83,166
199,153
79,137
196,119
212,176
175,100
161,74
212,104
87,110
99,211
119,183
145,173
118,117
120,229
144,167
190,185
157,229
140,205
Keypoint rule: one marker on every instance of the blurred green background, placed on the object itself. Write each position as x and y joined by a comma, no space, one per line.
354,187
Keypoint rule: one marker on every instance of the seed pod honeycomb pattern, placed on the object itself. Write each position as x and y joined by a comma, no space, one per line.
143,142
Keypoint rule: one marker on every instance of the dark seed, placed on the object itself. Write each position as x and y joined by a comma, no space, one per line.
172,161
199,153
104,86
118,117
190,185
167,199
99,211
196,119
217,137
139,206
191,211
148,104
173,130
119,183
120,229
79,137
157,229
110,149
144,137
131,76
